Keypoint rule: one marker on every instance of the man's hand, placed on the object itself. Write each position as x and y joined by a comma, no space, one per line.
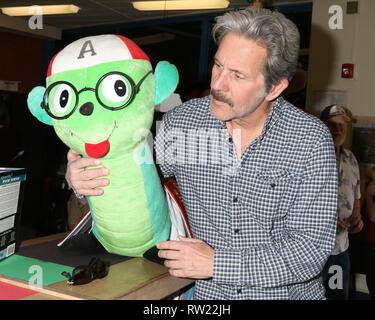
355,220
187,258
83,181
355,223
355,226
341,224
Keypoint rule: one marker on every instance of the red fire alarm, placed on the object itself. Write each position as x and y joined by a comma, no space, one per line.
347,70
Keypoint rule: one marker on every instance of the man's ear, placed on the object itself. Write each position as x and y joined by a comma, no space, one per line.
277,89
34,101
166,80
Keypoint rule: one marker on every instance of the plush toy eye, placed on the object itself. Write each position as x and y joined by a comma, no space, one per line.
61,98
115,89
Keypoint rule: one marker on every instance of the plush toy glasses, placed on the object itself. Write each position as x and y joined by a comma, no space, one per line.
114,91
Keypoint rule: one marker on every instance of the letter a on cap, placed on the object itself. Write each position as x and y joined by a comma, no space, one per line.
93,50
85,50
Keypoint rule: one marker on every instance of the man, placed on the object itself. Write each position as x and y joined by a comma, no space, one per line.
257,176
349,216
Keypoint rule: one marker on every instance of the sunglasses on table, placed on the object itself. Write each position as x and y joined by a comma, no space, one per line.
83,274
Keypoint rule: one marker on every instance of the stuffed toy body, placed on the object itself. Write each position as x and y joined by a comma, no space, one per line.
100,98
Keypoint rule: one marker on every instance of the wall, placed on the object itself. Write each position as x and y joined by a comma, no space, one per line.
21,59
329,49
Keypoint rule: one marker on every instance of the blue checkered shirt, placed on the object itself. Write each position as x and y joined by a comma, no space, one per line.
271,215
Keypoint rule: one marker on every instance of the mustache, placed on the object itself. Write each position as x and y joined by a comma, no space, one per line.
217,95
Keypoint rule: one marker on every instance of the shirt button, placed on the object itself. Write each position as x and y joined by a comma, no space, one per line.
239,291
236,230
235,199
230,140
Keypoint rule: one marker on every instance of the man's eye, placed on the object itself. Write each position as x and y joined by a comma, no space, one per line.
239,75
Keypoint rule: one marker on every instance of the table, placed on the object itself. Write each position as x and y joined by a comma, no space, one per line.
133,279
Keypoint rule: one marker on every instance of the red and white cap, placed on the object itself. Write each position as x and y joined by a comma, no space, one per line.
93,50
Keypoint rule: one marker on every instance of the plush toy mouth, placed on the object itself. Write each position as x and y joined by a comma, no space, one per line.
97,150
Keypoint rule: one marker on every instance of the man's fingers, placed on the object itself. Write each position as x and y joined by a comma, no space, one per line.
90,174
72,155
81,163
91,184
82,177
91,192
169,254
169,245
173,264
187,258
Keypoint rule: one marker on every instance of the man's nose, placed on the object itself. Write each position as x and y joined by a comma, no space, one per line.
86,109
220,81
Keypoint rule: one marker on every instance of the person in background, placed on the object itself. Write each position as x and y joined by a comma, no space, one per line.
260,187
348,209
362,244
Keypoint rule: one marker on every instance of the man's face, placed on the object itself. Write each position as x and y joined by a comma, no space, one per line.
337,125
237,83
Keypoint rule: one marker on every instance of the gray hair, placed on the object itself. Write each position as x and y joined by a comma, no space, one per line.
270,29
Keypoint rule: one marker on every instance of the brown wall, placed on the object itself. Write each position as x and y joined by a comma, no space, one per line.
21,59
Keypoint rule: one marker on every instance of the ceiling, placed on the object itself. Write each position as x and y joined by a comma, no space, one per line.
112,12
180,37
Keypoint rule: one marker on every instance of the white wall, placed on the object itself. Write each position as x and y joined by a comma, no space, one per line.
329,49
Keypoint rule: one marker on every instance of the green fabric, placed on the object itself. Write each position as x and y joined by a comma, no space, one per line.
131,215
157,204
166,79
34,100
28,269
121,214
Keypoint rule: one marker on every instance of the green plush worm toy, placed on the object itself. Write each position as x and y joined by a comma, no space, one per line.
100,99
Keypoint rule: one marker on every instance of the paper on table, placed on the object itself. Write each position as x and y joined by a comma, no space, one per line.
11,292
36,271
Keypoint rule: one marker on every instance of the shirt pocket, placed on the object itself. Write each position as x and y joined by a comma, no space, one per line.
272,196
